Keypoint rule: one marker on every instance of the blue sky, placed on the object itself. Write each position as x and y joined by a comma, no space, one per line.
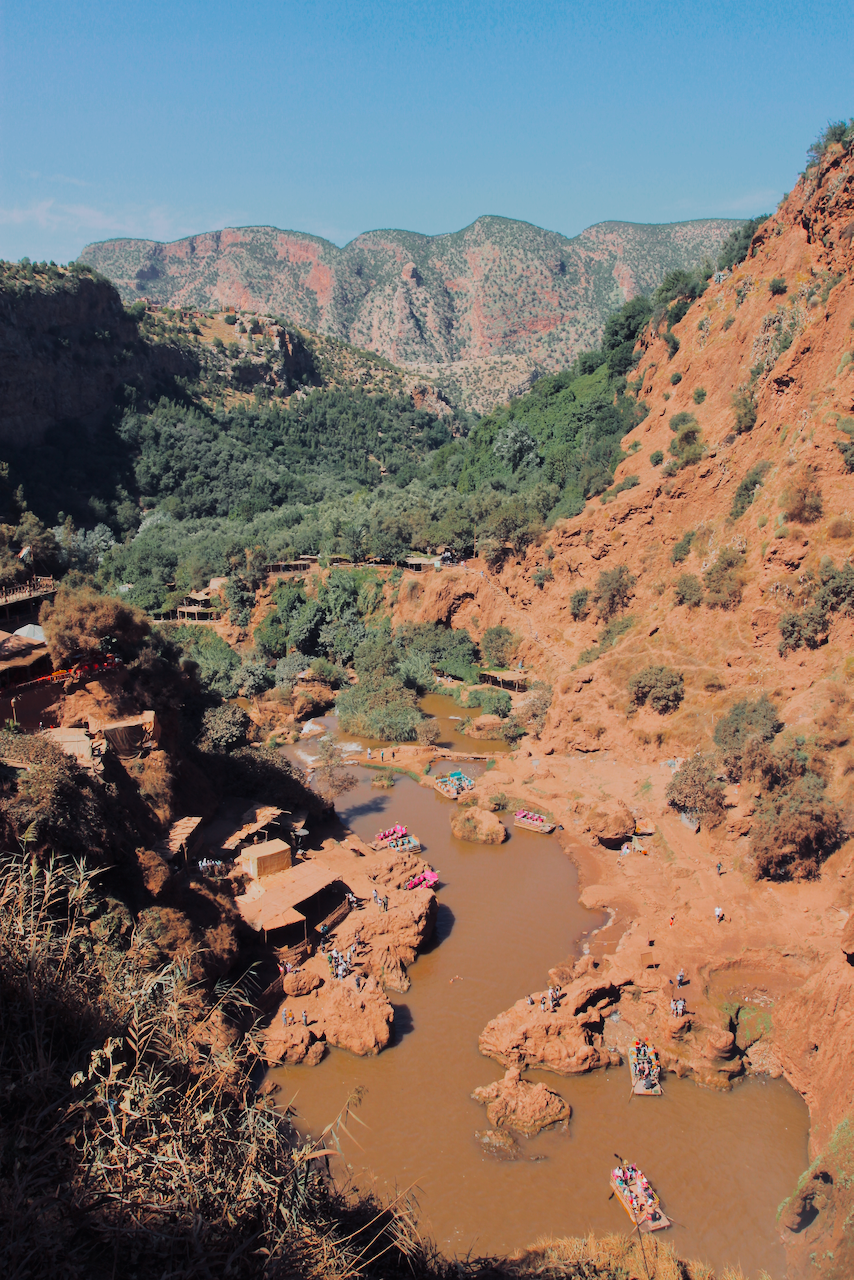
153,119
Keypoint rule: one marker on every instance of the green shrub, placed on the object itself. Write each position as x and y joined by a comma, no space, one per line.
496,702
744,409
543,574
672,343
809,627
695,789
578,603
230,318
802,499
688,590
657,457
662,687
758,721
728,323
614,590
630,482
737,244
682,548
675,379
224,728
722,579
746,491
685,447
836,131
778,287
498,646
699,395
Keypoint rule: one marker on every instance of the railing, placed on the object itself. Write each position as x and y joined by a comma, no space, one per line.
335,917
27,590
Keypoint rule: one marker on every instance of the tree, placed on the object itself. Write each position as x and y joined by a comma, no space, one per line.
498,646
331,770
80,620
428,733
224,728
614,590
695,789
662,687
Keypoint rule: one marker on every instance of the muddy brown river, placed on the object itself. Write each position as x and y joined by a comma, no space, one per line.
721,1162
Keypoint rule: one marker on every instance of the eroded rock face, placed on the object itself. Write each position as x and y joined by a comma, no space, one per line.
395,936
477,825
568,1041
514,1103
610,821
357,1020
301,984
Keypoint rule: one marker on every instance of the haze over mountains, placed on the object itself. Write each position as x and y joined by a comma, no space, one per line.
498,288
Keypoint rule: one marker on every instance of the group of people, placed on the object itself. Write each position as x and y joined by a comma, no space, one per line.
635,1188
531,817
289,1018
341,964
550,1001
382,903
647,1066
678,1007
208,867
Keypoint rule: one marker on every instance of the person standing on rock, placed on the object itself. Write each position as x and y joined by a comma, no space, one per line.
680,977
673,1008
542,1004
530,1000
719,914
304,1018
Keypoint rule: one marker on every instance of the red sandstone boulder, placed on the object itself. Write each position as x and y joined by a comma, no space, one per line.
559,1041
610,821
356,1020
477,825
302,983
514,1103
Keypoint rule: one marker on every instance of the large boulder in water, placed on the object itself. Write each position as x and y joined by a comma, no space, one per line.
477,825
514,1103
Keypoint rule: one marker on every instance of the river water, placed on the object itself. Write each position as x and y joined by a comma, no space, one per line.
721,1162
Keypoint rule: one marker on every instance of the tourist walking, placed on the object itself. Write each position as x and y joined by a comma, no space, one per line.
680,977
719,914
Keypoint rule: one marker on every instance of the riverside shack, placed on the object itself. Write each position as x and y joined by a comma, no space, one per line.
292,904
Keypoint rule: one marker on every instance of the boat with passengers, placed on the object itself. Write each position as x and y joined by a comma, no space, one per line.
637,1197
533,821
454,784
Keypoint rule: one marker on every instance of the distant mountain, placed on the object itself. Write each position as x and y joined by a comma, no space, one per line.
499,288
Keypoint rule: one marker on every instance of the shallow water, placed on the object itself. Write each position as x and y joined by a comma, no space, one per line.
721,1162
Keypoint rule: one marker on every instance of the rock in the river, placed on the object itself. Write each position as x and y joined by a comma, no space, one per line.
357,1020
477,825
567,1041
514,1103
498,1143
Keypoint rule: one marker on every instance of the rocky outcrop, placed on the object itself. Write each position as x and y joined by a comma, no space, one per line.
67,347
568,1040
514,1103
393,937
477,825
610,822
359,1021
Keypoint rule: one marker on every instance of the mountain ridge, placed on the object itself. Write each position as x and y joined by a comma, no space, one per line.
498,288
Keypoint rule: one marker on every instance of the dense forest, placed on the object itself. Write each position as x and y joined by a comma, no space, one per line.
173,488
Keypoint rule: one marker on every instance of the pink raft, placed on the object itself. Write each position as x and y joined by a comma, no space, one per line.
426,880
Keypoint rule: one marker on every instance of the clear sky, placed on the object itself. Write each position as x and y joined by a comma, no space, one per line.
159,119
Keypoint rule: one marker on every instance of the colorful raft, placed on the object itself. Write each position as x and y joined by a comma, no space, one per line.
638,1198
454,784
532,821
645,1068
383,839
426,880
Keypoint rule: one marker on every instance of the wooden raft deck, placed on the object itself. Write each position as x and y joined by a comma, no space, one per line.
645,1212
534,822
640,1056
